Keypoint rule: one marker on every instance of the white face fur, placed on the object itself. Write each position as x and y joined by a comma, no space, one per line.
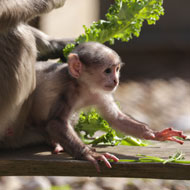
105,76
95,65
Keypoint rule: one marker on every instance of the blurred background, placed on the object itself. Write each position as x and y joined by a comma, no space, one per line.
155,83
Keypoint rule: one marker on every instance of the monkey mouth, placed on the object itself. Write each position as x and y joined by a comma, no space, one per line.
110,87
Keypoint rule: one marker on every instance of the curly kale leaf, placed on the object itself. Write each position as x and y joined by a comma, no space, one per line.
124,20
91,122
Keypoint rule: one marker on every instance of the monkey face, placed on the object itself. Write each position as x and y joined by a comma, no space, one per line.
104,78
99,66
110,77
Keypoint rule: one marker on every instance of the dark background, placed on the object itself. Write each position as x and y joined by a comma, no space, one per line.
162,50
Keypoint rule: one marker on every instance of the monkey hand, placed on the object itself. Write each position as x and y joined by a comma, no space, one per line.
168,134
93,157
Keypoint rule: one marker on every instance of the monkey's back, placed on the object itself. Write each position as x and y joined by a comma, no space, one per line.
17,75
49,84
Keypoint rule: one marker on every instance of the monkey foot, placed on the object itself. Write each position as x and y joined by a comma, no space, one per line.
57,148
94,157
169,134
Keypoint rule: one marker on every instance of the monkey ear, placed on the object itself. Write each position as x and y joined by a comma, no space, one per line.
75,66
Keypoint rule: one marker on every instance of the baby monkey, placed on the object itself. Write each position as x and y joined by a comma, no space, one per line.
89,79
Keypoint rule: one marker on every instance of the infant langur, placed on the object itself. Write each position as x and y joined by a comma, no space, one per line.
89,79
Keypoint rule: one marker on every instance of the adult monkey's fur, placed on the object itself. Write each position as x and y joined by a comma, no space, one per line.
19,46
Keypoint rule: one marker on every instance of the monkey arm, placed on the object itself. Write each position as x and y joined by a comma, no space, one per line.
126,124
63,133
130,126
13,12
49,48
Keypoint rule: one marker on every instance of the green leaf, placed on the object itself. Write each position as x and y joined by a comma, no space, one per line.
106,139
124,20
91,122
131,141
176,158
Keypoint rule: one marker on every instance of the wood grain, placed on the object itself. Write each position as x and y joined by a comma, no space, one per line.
40,161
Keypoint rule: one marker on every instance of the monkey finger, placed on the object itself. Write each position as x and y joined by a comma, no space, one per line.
111,157
164,133
94,162
172,132
175,140
104,159
176,133
169,132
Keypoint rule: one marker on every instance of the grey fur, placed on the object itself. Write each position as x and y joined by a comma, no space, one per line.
19,44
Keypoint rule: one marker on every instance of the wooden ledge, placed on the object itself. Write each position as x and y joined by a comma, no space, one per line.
40,161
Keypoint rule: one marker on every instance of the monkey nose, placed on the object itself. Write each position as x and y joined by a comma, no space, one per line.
115,81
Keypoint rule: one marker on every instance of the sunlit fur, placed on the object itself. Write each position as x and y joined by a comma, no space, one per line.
19,46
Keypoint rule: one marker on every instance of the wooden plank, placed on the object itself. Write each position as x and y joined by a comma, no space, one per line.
40,161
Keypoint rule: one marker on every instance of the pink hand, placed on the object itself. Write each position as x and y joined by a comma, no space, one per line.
94,156
169,134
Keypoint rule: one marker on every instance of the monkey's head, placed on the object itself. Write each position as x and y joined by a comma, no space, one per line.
95,65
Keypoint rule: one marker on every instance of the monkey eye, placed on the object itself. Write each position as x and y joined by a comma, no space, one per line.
108,71
117,69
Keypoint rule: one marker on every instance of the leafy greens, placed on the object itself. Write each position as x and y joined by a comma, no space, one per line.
175,158
91,122
124,20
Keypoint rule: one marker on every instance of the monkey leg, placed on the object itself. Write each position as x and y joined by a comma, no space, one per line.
57,148
62,132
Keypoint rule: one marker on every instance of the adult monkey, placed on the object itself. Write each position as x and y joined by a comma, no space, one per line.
19,44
